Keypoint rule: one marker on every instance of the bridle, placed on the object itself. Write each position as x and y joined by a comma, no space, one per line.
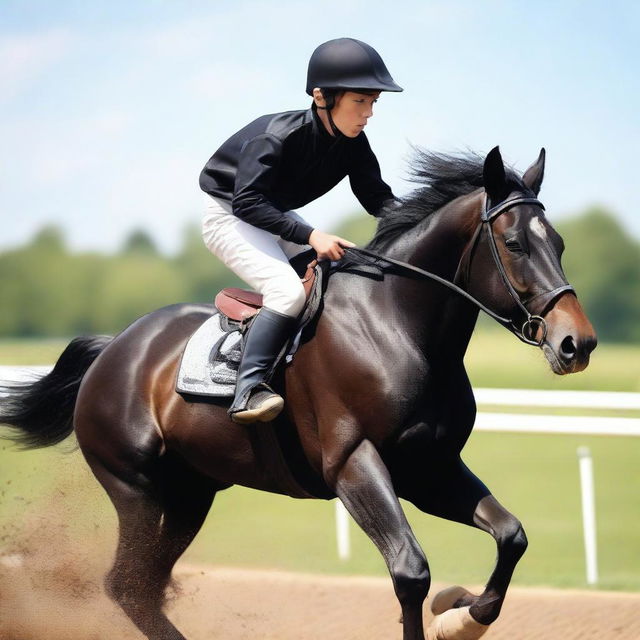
533,322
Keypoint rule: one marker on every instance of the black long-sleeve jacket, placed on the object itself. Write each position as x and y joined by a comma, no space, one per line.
285,160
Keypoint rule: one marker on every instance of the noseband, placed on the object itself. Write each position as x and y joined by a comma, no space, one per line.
528,330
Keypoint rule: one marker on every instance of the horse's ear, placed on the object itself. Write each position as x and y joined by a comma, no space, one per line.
535,173
493,175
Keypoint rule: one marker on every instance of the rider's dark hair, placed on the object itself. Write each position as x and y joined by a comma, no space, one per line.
330,95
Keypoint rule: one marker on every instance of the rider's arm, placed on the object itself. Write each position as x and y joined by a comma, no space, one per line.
366,182
257,171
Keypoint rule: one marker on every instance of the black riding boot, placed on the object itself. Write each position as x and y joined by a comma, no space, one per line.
255,401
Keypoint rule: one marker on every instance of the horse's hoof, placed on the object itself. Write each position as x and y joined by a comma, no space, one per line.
445,599
455,624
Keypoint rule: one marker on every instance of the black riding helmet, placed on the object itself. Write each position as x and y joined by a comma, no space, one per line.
346,64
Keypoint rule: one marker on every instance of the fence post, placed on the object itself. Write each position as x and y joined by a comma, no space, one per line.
588,514
342,531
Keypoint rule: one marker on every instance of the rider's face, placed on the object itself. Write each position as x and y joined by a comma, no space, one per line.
352,111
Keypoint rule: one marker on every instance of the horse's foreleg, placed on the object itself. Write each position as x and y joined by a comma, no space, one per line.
491,516
364,486
157,521
455,493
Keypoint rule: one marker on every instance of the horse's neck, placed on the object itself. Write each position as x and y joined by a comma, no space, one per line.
438,242
438,321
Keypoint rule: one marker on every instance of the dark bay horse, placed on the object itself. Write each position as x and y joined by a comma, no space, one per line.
379,405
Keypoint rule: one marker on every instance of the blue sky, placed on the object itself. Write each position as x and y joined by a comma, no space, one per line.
109,110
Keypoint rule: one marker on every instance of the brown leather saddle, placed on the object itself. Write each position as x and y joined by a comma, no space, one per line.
242,304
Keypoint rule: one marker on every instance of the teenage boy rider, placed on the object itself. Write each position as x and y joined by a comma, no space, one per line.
273,165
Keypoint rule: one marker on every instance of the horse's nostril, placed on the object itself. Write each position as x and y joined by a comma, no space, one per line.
568,347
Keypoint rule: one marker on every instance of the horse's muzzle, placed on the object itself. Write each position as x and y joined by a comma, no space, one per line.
570,336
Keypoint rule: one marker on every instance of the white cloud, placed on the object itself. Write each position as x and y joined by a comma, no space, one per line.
24,58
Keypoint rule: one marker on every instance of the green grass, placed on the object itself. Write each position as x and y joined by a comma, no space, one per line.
31,351
497,359
535,476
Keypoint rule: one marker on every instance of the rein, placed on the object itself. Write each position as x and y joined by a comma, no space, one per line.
525,333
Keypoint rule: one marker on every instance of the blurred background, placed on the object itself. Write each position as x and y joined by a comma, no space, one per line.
108,112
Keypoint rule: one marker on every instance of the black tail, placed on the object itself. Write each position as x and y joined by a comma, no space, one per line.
41,411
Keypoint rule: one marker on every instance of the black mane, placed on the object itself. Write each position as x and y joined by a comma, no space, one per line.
444,177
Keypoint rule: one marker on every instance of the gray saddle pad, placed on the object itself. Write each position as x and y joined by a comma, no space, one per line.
209,365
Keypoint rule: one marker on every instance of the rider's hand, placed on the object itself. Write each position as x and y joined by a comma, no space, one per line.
328,246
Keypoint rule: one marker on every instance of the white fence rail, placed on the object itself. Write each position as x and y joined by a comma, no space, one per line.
17,374
546,423
570,399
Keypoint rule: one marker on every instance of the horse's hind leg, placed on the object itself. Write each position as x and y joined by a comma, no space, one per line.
159,514
455,493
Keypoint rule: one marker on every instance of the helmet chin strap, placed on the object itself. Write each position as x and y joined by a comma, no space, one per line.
332,124
336,132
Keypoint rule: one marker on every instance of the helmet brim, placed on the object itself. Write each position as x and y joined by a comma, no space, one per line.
391,87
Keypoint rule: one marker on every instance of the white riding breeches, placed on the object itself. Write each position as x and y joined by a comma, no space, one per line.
256,256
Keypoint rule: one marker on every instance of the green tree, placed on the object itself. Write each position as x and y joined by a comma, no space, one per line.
603,263
12,267
358,227
139,242
46,290
131,286
38,287
204,275
50,239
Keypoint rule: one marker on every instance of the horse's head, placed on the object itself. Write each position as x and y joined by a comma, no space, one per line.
515,268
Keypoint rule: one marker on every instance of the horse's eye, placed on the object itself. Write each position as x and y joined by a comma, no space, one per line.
514,246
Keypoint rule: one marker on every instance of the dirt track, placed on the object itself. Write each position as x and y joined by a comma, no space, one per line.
57,603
